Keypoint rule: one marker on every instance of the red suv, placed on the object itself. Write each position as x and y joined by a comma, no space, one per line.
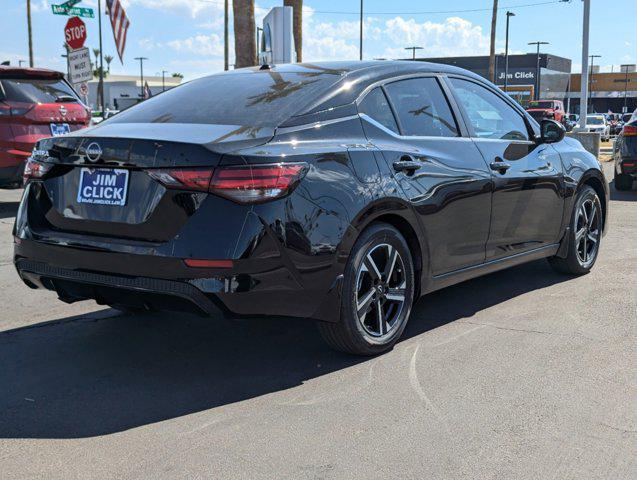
553,109
34,103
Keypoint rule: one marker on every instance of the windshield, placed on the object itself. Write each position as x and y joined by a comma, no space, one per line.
262,99
628,116
38,91
595,120
540,104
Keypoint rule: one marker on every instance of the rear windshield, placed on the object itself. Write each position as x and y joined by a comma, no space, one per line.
38,91
595,120
263,99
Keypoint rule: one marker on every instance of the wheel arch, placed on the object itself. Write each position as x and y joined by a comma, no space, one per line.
593,179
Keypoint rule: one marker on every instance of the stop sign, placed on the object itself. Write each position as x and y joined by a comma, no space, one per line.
75,33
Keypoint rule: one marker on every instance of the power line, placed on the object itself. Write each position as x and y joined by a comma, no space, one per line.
429,12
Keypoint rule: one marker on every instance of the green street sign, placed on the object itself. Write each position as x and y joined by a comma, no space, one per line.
70,3
73,11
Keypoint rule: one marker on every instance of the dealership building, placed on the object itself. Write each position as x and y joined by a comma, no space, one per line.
554,81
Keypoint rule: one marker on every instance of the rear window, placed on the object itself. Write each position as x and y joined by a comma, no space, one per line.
38,91
263,99
541,104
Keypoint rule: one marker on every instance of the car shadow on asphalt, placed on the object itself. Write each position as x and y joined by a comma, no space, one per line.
622,196
97,374
8,209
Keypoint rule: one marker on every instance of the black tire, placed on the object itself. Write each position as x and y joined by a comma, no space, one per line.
365,334
623,182
583,249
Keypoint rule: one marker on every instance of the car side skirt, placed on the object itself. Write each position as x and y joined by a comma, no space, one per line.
451,278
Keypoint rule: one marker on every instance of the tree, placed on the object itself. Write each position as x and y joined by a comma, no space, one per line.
177,75
245,48
297,25
108,59
494,18
96,52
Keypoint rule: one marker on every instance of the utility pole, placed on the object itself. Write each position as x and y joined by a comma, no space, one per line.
141,74
225,35
590,80
101,69
413,51
360,47
494,20
536,95
583,101
625,67
506,54
163,80
30,33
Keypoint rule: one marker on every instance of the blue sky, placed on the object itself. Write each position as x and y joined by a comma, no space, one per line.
186,35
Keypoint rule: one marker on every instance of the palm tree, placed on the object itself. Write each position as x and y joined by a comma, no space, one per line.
108,59
244,33
297,25
178,75
494,18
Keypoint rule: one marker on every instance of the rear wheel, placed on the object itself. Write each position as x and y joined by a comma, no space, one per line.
378,291
585,235
623,181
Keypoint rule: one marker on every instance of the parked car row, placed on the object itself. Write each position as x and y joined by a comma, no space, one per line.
625,153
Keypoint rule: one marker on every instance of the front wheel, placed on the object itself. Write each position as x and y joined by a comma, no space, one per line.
377,294
584,236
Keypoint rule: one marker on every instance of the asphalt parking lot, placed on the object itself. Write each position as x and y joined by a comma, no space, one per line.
523,374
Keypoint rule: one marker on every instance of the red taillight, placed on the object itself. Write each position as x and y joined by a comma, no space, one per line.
202,263
34,170
256,183
240,183
183,178
630,130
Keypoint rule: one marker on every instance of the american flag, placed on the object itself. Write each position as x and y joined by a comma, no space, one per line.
120,25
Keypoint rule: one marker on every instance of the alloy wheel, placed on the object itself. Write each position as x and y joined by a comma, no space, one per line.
587,232
381,287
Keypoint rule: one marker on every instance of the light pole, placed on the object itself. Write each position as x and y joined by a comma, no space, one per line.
583,101
360,46
536,94
163,80
590,79
141,73
625,67
506,54
413,51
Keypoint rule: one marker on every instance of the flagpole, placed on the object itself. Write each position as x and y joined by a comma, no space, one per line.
101,69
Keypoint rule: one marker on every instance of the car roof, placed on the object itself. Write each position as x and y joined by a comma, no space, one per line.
7,71
351,78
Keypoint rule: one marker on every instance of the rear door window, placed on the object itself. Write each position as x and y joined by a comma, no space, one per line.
375,106
489,115
38,91
422,108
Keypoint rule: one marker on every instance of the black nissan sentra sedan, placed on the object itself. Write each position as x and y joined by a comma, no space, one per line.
340,192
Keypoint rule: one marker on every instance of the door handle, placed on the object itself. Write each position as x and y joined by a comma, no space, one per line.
407,164
500,165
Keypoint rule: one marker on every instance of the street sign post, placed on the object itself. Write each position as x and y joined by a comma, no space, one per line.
75,33
84,12
80,66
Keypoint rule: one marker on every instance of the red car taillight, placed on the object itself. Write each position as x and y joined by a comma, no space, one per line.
34,170
630,130
240,183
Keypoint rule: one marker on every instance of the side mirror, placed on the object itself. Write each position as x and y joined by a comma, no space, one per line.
551,131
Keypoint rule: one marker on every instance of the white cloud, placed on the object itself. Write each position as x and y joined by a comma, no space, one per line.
204,45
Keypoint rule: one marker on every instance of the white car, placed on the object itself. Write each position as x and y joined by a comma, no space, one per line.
598,124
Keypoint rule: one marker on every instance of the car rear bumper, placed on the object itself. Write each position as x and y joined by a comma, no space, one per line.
12,165
166,283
